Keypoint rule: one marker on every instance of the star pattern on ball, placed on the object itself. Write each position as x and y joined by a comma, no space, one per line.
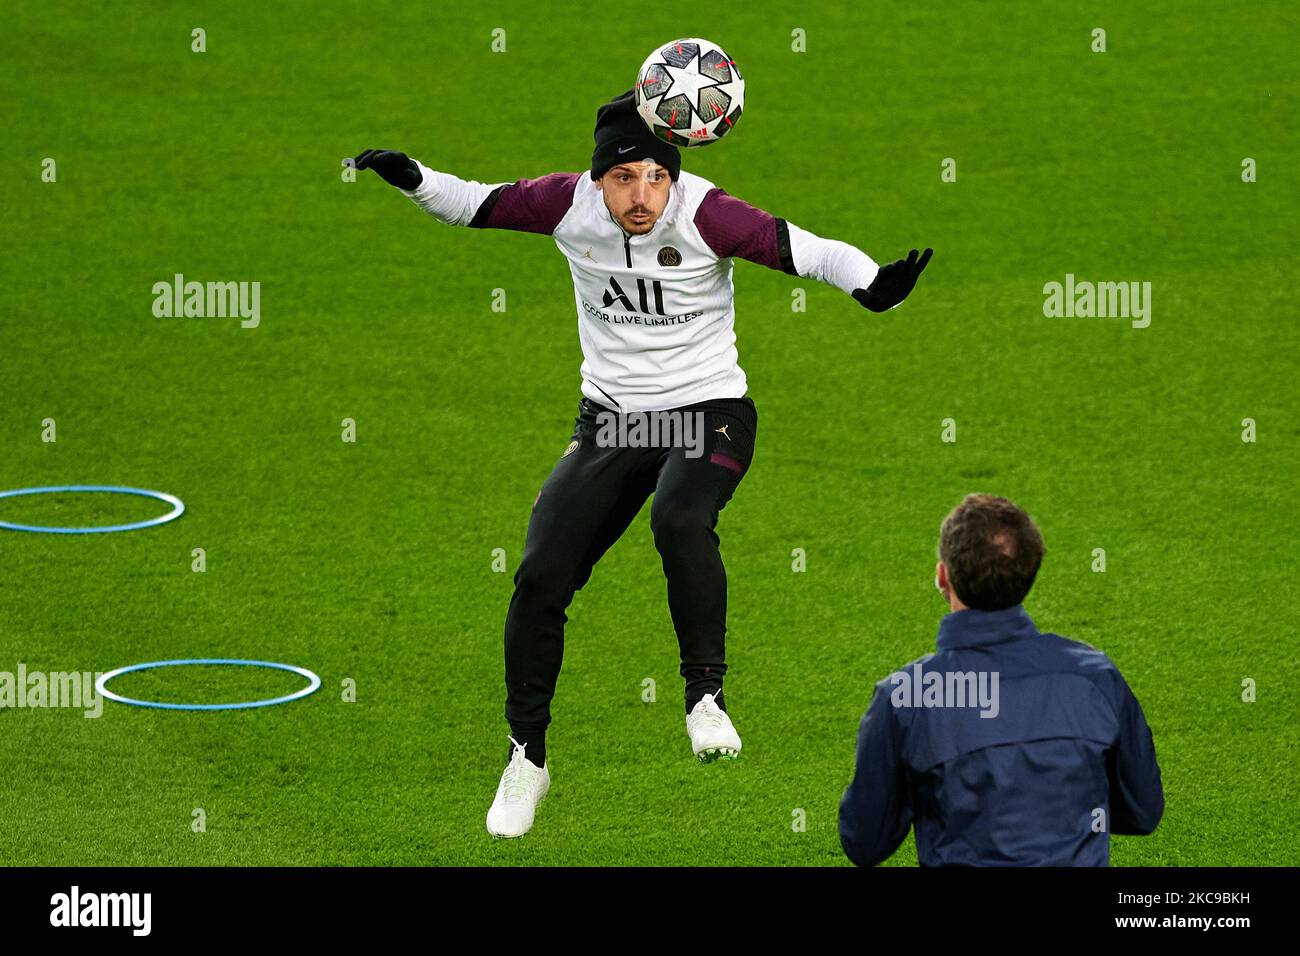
687,82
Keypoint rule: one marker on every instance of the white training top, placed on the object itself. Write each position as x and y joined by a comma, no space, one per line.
656,312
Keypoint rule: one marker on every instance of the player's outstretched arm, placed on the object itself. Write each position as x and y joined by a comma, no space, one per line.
525,205
733,227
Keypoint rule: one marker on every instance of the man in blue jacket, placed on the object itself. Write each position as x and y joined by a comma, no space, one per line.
1007,746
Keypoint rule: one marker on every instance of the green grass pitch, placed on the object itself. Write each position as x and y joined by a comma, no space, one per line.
372,561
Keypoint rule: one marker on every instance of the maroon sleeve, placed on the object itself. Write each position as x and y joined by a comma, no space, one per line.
732,227
529,205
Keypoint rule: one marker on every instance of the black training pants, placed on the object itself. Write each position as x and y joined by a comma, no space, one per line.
590,498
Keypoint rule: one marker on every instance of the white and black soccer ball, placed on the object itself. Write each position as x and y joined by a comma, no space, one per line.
689,92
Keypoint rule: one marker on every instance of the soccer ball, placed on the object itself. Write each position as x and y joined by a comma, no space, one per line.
689,92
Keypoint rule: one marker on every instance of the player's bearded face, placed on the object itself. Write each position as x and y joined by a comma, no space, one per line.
636,194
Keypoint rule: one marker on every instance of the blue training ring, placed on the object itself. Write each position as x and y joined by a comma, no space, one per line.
103,691
178,508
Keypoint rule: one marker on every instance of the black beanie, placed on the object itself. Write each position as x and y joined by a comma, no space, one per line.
622,137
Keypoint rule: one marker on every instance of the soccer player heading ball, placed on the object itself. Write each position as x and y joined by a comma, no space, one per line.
650,248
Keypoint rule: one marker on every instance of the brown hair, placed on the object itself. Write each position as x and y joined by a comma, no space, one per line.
992,551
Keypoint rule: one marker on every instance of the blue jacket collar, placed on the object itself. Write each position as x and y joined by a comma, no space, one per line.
972,628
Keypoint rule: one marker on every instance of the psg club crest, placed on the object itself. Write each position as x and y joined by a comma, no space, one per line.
668,256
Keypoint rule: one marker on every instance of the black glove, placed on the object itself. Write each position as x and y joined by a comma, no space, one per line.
893,282
396,169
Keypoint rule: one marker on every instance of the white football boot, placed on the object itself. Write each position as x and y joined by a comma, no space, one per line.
712,734
522,787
